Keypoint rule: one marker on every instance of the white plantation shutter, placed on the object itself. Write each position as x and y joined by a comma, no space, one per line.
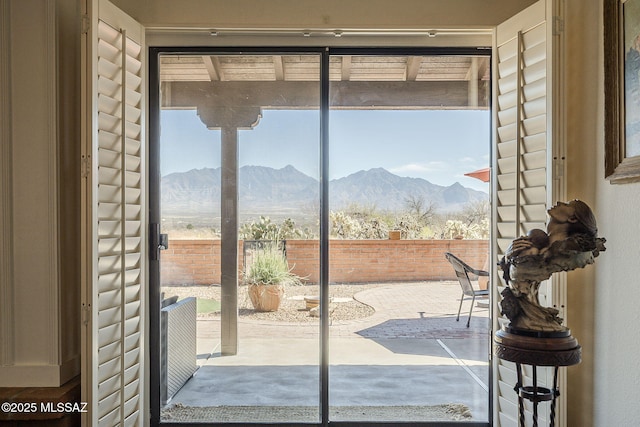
525,185
114,298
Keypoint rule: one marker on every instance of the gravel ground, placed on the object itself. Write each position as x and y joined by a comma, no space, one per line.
292,308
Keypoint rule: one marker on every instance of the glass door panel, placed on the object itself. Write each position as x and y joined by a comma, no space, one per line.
240,195
240,151
190,264
404,131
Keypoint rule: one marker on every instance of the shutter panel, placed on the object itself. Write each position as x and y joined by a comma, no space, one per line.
523,171
116,214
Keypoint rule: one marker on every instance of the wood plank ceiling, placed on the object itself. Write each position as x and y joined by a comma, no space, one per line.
194,68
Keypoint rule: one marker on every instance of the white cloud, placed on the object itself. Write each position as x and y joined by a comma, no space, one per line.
414,168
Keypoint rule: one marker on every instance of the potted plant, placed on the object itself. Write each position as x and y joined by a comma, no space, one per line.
266,277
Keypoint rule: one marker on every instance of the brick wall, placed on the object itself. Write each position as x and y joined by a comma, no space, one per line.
198,261
192,262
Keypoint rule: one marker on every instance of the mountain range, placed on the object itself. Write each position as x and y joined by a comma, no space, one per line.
265,190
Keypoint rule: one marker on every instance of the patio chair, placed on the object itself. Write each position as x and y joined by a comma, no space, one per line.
463,270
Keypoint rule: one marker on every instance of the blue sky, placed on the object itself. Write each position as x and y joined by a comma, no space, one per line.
436,145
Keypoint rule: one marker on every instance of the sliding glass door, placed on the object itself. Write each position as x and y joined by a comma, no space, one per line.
404,129
302,201
239,197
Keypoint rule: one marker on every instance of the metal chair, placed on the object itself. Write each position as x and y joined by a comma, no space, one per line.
462,272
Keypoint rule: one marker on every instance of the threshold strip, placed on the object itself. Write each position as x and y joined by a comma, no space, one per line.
463,365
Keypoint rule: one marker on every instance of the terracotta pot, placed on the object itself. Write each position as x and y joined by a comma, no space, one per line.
265,297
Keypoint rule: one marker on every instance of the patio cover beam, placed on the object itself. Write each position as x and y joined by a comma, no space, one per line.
436,95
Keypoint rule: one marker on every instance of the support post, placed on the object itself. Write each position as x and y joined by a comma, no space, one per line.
229,120
229,243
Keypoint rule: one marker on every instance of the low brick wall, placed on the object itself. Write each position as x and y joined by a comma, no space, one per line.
192,262
351,261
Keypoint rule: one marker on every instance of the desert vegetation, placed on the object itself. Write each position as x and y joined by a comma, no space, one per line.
418,220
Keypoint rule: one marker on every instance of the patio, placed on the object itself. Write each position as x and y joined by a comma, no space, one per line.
410,354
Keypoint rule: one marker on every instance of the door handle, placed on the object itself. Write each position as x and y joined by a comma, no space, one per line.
157,242
163,242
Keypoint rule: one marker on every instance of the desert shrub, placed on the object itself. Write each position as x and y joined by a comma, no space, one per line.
345,226
410,226
457,229
265,229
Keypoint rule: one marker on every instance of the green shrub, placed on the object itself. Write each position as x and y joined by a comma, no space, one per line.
269,266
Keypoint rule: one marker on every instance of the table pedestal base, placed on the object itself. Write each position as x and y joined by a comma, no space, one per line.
537,349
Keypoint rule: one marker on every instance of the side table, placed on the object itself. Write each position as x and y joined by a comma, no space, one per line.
524,347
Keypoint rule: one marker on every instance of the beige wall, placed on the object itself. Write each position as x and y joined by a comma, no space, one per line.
582,165
616,287
332,14
603,299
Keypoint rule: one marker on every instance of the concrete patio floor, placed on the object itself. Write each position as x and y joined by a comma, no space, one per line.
410,352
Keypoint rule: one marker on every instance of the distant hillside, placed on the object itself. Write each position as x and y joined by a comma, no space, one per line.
384,190
264,189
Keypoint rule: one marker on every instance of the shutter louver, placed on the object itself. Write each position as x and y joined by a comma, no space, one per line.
522,191
118,201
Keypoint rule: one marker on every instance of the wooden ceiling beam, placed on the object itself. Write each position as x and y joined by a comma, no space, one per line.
413,67
212,64
278,66
346,68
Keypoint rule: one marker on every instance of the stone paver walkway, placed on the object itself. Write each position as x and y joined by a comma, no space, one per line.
415,310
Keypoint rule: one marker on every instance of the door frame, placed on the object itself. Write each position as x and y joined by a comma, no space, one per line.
154,211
